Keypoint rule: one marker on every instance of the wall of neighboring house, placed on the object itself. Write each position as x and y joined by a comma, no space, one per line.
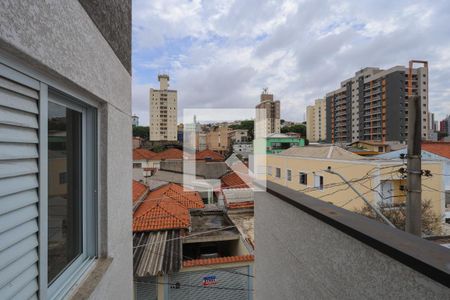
425,156
138,170
59,44
338,193
237,286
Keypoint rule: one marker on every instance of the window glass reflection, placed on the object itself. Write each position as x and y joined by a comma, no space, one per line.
64,188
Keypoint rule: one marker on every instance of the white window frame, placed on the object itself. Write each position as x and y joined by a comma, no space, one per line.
269,170
73,271
23,74
317,186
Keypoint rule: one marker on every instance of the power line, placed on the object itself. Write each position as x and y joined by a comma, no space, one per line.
362,197
195,286
185,256
189,236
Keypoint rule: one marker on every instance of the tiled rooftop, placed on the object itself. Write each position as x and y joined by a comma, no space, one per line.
188,199
218,260
172,153
138,190
142,154
232,180
438,148
160,214
166,207
209,154
237,205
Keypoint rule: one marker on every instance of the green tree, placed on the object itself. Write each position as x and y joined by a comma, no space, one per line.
299,128
431,222
141,131
246,125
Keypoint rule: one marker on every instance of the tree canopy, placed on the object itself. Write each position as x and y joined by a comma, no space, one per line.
141,131
299,128
246,125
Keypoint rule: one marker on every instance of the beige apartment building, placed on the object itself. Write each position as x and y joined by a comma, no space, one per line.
218,139
304,169
163,111
316,129
373,105
268,111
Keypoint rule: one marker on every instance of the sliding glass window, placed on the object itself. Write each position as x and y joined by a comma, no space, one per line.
72,188
64,188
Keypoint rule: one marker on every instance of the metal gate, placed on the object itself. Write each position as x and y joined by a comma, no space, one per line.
218,284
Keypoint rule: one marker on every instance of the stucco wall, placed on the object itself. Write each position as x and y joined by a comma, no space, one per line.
338,193
117,281
113,19
57,38
301,257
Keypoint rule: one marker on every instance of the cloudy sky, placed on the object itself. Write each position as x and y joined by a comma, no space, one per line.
222,53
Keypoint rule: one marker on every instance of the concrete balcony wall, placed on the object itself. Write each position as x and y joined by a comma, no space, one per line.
299,256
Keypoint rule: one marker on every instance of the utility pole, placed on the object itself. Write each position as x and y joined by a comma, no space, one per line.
414,196
414,166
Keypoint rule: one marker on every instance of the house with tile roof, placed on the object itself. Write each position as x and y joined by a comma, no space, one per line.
209,155
140,191
305,169
437,152
176,240
233,180
146,163
142,163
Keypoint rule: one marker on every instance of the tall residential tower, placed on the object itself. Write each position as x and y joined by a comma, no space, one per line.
316,129
163,111
271,114
373,105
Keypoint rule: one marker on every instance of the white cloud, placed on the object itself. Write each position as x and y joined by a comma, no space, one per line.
221,53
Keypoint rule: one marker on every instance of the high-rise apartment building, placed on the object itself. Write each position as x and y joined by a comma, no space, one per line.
271,115
316,129
373,105
163,111
444,125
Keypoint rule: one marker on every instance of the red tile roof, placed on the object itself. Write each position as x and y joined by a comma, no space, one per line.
166,207
232,180
172,153
188,199
218,260
438,148
160,214
140,154
243,204
139,190
209,154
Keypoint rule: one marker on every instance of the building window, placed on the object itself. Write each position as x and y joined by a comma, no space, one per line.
137,165
303,178
318,182
71,204
289,175
269,170
277,172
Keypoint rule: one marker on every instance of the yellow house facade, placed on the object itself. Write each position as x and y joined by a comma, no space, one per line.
305,170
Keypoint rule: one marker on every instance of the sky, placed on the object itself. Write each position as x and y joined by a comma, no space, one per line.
221,54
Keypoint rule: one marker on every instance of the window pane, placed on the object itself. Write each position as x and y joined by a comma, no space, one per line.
64,188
